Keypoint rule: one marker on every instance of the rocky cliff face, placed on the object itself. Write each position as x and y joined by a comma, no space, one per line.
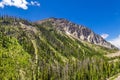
77,31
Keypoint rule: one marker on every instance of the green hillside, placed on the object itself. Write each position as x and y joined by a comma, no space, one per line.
30,51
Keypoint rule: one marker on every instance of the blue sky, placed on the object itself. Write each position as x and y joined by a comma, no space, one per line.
102,16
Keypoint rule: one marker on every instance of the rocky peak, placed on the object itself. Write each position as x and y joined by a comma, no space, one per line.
77,31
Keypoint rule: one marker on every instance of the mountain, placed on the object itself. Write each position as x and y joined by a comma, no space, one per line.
79,32
49,50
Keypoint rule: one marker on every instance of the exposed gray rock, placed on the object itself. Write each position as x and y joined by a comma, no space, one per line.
78,31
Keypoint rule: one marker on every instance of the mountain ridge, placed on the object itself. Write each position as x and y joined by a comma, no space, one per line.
77,31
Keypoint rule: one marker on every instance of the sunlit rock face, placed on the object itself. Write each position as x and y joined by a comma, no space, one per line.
77,31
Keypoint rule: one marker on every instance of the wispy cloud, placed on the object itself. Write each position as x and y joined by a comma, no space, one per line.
116,41
105,36
35,3
18,3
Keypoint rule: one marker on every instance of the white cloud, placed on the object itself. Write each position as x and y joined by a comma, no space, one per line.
35,3
116,41
1,5
18,3
105,36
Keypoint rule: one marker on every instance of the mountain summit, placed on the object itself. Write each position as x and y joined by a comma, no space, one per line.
79,32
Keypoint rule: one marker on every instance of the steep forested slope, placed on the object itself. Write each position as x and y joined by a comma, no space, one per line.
14,60
30,51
